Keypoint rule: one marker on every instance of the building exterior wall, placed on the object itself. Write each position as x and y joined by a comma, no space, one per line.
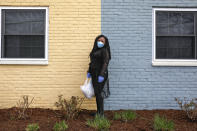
134,82
73,26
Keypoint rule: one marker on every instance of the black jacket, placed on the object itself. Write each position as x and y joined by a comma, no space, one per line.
99,62
98,65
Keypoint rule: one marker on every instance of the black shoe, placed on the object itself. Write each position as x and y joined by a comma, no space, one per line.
93,114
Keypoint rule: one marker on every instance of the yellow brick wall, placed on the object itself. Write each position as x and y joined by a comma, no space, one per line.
73,26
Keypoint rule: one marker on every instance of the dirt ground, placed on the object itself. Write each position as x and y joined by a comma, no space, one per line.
46,118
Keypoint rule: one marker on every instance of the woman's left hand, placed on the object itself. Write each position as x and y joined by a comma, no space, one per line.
100,79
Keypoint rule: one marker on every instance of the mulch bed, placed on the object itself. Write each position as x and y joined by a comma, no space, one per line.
46,118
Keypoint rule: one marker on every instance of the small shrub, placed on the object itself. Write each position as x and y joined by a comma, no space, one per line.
22,106
162,124
32,127
69,108
99,123
61,126
189,106
125,116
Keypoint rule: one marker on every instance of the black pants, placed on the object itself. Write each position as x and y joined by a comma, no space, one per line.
98,87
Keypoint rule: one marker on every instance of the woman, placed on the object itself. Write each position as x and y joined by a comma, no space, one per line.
98,70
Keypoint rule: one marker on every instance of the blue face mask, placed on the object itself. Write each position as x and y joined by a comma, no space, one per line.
100,44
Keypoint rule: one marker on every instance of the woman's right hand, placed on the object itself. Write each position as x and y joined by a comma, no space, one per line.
88,75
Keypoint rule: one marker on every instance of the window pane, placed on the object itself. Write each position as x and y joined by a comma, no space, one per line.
161,17
174,23
37,52
187,23
25,52
162,29
23,33
24,21
175,47
174,18
24,47
174,29
162,23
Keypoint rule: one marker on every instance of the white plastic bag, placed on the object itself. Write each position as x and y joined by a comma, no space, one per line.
87,88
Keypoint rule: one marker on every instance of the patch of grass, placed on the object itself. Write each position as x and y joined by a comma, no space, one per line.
32,127
99,123
117,116
128,115
61,126
125,116
161,123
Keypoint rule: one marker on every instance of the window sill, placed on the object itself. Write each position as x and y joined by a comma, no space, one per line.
174,63
24,61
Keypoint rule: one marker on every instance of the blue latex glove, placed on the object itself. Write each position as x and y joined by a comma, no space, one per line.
88,75
100,79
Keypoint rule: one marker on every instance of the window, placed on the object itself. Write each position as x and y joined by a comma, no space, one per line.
24,35
175,37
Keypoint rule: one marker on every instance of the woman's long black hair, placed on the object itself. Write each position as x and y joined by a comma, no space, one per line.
95,47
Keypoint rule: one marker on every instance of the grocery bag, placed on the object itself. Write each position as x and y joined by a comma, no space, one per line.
87,88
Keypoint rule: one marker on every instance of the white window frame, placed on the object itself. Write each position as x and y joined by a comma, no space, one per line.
27,61
168,62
